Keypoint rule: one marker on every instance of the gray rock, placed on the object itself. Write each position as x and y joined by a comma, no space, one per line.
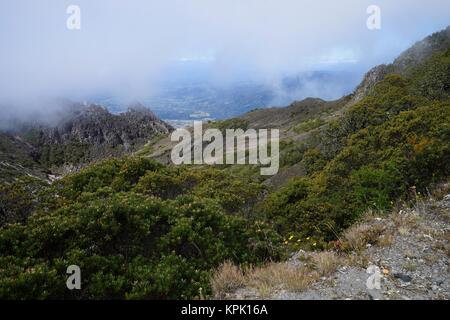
403,277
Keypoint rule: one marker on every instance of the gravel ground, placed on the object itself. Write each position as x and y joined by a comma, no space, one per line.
413,265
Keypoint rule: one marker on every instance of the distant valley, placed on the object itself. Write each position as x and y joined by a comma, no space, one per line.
187,100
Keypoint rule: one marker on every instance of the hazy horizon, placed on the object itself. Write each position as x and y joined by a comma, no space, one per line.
137,49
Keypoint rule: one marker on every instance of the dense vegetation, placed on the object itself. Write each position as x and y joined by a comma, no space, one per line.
139,229
394,140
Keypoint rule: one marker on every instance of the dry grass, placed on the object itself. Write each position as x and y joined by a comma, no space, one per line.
403,231
265,280
361,234
405,221
386,239
326,262
276,276
355,259
441,190
226,279
272,277
431,259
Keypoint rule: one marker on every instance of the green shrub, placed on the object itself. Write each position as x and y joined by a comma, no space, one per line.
127,239
387,143
308,125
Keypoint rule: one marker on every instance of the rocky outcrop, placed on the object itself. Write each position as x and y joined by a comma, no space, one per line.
421,50
97,127
78,135
92,132
371,78
437,42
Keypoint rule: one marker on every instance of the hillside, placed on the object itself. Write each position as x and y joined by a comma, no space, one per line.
409,248
141,228
79,135
18,157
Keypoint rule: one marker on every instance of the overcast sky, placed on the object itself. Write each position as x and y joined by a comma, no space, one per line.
127,47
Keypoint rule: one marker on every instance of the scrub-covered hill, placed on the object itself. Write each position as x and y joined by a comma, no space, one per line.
138,228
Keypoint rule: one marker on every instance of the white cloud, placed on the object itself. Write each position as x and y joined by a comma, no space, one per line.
339,56
125,46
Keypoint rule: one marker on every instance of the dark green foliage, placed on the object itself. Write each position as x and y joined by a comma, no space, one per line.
432,80
59,154
234,123
137,230
167,183
142,230
309,125
394,139
19,198
313,160
375,187
292,154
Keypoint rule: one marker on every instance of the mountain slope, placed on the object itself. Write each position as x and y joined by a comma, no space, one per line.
17,158
408,248
81,134
140,229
